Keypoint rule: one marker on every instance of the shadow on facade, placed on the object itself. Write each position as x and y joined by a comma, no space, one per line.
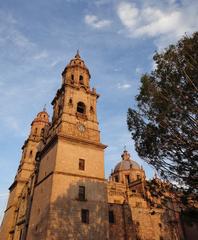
71,216
123,226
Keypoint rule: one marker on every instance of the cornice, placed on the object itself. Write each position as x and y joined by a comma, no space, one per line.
81,140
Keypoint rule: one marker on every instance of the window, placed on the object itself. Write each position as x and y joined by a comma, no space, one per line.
35,131
70,101
91,109
85,215
81,193
111,217
72,79
36,228
137,223
81,79
81,164
25,151
30,154
127,179
42,132
138,177
116,178
81,107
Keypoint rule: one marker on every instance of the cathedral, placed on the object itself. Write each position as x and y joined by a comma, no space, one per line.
60,191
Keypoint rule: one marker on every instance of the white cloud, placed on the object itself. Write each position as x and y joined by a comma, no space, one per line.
165,23
123,86
42,55
94,22
128,14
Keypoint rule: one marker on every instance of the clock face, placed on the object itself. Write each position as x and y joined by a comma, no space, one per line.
81,127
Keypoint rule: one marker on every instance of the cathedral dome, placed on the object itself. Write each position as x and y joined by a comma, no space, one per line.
126,163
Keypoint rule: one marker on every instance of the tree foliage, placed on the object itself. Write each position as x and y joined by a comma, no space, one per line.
164,125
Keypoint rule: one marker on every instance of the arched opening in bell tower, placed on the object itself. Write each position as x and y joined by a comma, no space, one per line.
81,108
81,80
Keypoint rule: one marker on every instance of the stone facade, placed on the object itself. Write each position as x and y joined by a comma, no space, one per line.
60,191
128,195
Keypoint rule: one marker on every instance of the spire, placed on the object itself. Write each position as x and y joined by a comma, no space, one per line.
44,108
77,54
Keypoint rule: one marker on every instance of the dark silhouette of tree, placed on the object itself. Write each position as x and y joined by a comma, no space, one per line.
164,125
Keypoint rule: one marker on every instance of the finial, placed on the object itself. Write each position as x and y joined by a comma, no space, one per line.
77,54
44,108
125,155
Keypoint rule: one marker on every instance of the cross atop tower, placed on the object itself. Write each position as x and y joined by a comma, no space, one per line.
77,54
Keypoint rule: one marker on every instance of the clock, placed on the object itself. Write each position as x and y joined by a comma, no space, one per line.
81,127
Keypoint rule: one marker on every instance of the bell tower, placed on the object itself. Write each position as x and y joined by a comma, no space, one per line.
75,103
11,225
70,196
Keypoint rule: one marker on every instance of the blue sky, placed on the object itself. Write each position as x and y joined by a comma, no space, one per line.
117,40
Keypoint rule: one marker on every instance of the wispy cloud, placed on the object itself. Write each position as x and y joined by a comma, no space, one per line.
123,86
95,22
9,32
12,37
42,55
12,124
165,24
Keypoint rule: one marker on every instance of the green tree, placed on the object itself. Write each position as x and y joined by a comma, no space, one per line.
164,124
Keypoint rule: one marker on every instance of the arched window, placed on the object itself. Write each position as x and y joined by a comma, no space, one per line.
91,109
42,132
35,131
138,177
70,101
30,154
81,107
24,154
72,79
116,178
81,79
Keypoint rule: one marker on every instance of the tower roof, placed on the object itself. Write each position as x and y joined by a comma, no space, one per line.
42,117
77,61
